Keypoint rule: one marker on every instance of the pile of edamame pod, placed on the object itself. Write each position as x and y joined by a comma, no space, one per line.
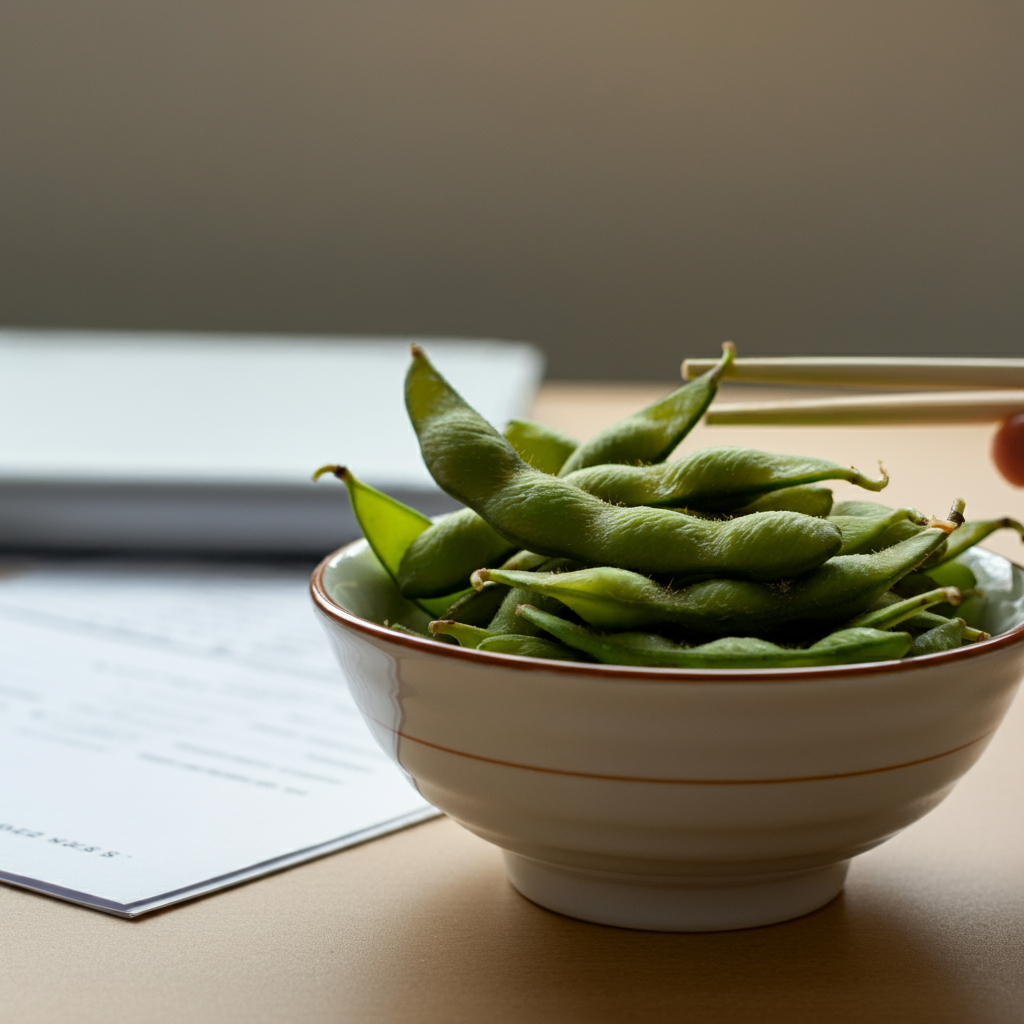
605,552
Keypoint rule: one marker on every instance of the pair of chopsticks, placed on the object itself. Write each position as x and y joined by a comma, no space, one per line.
998,390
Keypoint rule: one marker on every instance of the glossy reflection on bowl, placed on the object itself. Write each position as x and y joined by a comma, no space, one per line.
671,799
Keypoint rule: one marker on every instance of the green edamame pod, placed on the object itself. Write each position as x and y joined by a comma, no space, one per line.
974,532
397,627
525,644
467,636
526,560
863,533
712,479
810,499
923,621
952,573
541,446
859,507
505,619
477,607
914,583
947,636
868,526
904,528
652,434
476,465
835,592
530,647
841,648
389,527
956,574
893,614
495,609
439,560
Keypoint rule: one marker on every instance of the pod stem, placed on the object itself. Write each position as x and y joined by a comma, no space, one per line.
339,471
466,635
892,615
867,483
728,355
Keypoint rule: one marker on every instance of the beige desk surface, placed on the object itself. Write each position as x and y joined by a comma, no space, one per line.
421,926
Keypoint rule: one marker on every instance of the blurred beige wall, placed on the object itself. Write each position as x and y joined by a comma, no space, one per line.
623,182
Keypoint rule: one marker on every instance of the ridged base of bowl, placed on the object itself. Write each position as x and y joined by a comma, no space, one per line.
676,905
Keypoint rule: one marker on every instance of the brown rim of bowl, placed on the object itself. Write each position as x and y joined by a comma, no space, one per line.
326,605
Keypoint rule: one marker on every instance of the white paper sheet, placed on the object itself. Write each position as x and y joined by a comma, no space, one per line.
167,730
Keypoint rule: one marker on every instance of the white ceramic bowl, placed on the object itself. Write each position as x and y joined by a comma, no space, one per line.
670,799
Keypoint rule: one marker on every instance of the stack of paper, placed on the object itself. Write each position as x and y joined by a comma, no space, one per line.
166,731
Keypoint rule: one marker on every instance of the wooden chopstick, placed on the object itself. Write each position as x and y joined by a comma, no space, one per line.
906,372
918,407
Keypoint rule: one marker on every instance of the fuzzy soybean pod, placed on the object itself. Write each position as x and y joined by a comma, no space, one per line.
859,507
524,643
923,621
956,574
466,635
865,533
474,464
876,511
541,446
952,573
614,599
712,479
653,433
389,527
810,499
398,627
842,648
869,526
477,607
439,560
893,614
480,607
947,636
901,529
526,646
504,619
975,531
